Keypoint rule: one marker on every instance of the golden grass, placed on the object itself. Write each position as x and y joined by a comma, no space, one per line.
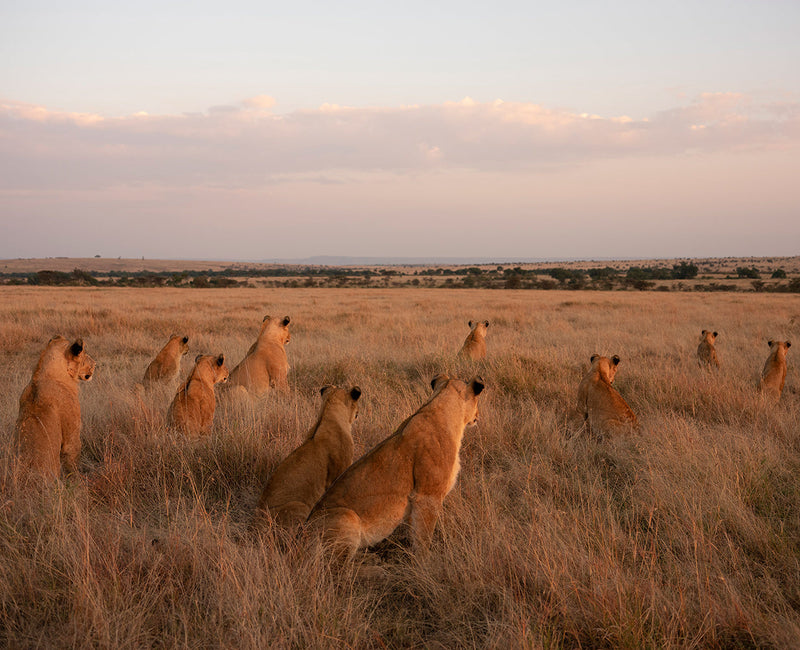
685,535
716,265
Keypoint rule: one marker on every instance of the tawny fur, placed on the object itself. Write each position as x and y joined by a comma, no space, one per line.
706,352
403,480
603,408
166,367
302,478
474,347
773,376
582,407
48,429
265,366
192,410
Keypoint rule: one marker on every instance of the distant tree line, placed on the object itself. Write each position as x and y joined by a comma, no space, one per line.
605,278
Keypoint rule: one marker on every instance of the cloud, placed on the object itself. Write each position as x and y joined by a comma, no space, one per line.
248,146
262,102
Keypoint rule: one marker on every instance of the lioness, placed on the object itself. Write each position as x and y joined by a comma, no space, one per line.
192,410
604,409
302,478
773,376
166,367
706,352
265,366
405,478
48,428
474,347
582,407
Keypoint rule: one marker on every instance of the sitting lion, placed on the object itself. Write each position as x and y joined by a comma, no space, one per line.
773,376
474,347
48,428
165,368
706,352
192,410
405,478
265,366
582,407
302,478
602,407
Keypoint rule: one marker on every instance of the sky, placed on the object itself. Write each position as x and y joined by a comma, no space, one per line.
260,130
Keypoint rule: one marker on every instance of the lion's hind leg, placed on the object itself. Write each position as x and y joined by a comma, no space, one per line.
342,531
291,514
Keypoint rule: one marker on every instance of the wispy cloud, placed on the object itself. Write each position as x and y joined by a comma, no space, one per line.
248,145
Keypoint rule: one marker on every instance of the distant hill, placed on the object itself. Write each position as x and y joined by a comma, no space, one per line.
333,260
136,265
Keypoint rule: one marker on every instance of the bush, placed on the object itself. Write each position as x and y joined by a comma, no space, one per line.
744,272
684,271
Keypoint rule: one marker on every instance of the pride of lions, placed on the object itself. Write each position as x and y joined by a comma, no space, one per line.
403,481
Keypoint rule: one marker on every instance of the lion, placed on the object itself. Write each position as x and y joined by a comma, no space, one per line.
583,388
166,367
602,407
192,409
265,366
706,352
48,429
302,478
403,480
474,347
773,376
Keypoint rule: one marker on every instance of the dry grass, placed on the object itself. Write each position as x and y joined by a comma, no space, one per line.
687,534
717,265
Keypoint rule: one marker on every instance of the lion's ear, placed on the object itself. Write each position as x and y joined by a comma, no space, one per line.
788,344
220,360
486,323
615,360
438,381
265,319
703,332
355,393
185,340
470,324
286,320
716,334
326,388
593,357
477,385
769,343
198,357
76,348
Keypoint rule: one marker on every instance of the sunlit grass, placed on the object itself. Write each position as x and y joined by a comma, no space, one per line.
686,534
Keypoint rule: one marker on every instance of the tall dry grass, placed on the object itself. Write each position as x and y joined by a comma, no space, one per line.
684,535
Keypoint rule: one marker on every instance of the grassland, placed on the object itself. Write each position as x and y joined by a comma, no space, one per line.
746,274
684,535
708,265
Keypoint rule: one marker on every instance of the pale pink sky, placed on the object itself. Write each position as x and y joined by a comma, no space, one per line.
261,131
714,176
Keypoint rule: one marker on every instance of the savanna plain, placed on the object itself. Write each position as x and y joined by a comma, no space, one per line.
683,534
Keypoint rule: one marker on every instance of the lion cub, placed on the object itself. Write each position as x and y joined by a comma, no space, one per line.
405,478
166,367
601,405
706,352
474,347
192,410
48,428
773,376
265,366
302,478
